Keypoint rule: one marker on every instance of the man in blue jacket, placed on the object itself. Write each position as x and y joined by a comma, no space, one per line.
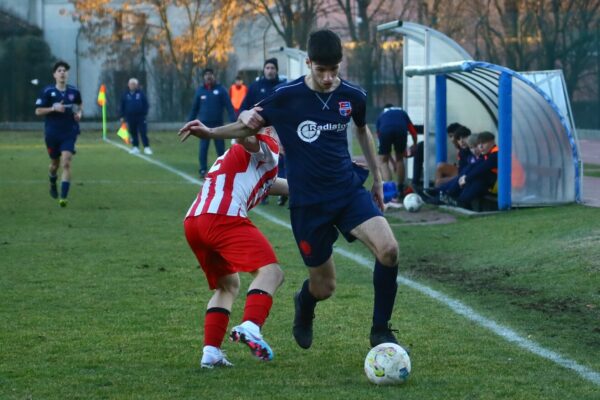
260,90
264,86
210,100
134,108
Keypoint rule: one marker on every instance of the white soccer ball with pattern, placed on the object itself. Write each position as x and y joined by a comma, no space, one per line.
387,364
413,202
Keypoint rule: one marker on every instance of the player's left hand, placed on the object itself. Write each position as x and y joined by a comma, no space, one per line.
360,164
194,128
251,118
377,192
77,116
58,107
462,181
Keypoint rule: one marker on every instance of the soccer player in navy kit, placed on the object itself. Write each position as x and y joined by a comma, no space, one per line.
311,116
61,105
393,125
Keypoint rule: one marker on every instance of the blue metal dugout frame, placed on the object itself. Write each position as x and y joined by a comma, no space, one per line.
505,116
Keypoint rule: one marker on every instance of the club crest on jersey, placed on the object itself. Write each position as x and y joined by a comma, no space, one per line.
345,108
308,131
71,96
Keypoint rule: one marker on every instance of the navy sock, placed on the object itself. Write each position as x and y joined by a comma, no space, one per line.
308,302
64,189
53,179
385,285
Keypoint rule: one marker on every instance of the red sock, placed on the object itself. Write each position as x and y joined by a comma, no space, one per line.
258,305
215,326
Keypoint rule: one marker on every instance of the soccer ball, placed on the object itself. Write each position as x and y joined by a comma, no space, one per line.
413,202
387,364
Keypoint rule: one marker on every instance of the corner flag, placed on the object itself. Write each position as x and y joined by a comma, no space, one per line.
123,133
102,103
102,96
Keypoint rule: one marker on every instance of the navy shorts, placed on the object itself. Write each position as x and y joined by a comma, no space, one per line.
316,226
392,137
56,145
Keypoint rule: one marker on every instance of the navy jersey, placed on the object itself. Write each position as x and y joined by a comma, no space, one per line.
394,118
56,123
312,128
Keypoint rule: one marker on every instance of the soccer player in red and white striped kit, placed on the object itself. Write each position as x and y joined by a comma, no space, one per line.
226,242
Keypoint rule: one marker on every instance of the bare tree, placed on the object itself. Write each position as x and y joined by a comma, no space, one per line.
538,34
292,19
567,37
182,35
361,18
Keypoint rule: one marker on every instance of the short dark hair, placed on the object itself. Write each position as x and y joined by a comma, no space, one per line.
462,132
324,47
388,105
486,137
59,64
207,70
271,61
453,127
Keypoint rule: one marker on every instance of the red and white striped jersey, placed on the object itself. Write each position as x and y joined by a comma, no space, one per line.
238,180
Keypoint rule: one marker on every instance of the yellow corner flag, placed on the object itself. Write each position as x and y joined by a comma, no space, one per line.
102,103
102,96
123,133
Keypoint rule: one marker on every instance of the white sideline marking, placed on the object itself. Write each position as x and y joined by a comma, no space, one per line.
455,305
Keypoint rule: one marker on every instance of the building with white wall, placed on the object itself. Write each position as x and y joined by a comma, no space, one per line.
252,41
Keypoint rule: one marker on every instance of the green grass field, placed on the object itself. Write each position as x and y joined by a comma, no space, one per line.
104,300
591,170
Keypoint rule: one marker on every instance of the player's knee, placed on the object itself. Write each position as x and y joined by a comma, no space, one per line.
324,289
231,285
66,164
234,290
388,255
278,276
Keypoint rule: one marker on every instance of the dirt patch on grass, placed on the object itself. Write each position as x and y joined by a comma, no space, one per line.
589,242
488,279
492,280
426,216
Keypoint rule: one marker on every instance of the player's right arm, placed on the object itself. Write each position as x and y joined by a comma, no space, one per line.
44,105
248,123
56,107
279,188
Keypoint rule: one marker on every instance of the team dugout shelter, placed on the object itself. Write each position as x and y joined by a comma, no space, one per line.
538,156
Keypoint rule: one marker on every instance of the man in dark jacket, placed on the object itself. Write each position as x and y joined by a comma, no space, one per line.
134,108
264,86
482,176
210,100
260,90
